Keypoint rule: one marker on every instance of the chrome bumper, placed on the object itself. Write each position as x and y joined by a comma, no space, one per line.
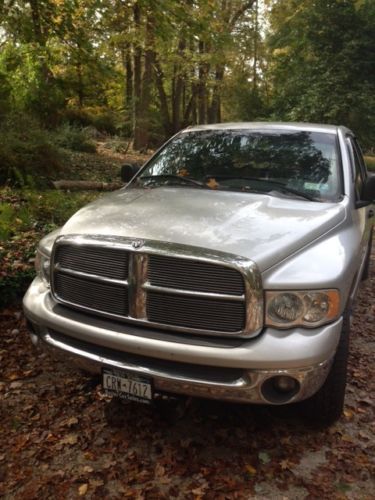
236,371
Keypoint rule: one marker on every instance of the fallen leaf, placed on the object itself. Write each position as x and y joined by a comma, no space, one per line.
15,385
82,490
264,457
285,465
250,470
347,438
361,410
159,470
71,421
70,439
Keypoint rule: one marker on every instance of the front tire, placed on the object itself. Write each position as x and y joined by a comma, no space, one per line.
326,405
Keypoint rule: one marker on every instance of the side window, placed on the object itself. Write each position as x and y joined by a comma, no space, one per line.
358,149
358,165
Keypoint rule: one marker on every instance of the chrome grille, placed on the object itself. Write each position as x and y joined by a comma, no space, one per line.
160,285
108,262
109,298
194,312
173,272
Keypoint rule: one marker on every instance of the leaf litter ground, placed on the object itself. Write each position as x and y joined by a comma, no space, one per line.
60,438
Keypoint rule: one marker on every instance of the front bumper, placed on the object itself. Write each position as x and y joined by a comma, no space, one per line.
233,370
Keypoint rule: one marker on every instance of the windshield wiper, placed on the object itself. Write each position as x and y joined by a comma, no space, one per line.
279,186
180,179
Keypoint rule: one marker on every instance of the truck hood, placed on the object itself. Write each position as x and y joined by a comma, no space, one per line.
263,228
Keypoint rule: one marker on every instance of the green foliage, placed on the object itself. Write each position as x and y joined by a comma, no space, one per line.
243,102
30,155
5,92
14,286
6,220
27,153
106,121
25,216
149,68
321,63
53,207
74,138
370,162
33,87
12,219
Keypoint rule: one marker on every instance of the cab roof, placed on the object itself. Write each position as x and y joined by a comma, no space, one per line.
287,126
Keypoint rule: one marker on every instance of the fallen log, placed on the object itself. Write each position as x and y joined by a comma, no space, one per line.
86,185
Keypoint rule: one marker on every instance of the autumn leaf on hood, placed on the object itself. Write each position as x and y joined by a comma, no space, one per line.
212,184
183,172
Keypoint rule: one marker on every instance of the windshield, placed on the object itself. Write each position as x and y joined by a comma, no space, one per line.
278,162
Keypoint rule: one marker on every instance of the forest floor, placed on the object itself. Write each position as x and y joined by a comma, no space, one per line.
60,437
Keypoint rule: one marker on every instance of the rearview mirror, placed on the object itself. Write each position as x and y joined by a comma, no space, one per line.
128,171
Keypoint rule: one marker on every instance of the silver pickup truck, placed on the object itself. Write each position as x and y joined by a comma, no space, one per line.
226,268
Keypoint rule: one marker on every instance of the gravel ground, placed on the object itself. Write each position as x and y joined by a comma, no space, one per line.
61,438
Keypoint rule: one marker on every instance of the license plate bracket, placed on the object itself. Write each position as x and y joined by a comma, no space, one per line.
126,385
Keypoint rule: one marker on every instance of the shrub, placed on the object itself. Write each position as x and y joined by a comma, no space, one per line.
25,216
27,154
13,287
106,121
75,138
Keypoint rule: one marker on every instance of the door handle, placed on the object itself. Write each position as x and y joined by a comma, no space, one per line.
370,214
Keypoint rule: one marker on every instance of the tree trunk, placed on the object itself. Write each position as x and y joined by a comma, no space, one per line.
128,66
141,132
80,86
256,33
202,75
214,114
164,109
178,89
137,65
37,25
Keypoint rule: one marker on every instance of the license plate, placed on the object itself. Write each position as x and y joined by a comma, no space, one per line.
125,385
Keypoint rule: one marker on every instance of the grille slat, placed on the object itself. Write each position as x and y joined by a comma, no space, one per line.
194,312
101,297
108,262
174,272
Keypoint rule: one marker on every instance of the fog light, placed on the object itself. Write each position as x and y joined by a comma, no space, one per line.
284,383
280,389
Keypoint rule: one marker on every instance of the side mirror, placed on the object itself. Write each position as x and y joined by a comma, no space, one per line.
368,192
128,171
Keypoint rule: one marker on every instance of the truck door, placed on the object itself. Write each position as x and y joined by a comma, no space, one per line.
364,214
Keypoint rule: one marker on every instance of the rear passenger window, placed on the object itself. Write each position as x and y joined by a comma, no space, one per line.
358,166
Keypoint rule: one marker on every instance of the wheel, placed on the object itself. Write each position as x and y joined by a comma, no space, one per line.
326,405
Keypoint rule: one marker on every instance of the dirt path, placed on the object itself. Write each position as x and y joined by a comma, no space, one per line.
59,439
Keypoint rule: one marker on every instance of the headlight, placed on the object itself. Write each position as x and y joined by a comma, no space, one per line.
304,308
42,266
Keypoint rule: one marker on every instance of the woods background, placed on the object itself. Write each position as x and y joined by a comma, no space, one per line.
144,69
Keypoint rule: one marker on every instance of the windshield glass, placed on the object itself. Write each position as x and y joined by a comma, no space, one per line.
278,162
